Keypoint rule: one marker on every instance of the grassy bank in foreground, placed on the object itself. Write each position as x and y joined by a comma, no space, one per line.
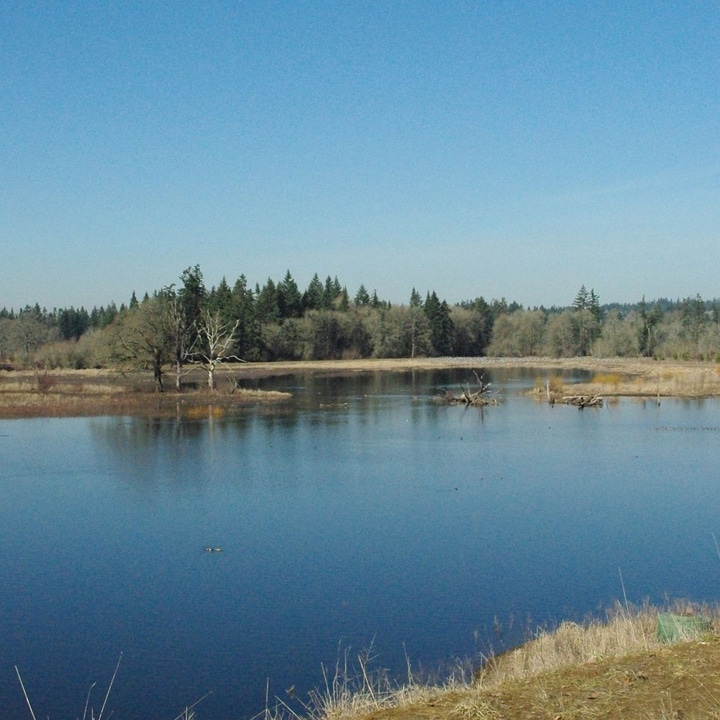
643,663
616,668
113,392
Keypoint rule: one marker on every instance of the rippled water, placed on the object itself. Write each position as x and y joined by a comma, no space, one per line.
362,514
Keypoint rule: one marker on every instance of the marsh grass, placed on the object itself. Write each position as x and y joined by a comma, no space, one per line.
690,380
92,393
608,378
549,388
188,713
85,715
594,669
622,631
358,687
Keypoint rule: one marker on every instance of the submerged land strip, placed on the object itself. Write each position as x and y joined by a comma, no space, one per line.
58,393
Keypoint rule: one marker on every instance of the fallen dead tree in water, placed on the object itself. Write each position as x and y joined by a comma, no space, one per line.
583,401
479,397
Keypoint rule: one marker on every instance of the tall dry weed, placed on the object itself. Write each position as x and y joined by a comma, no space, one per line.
611,379
625,630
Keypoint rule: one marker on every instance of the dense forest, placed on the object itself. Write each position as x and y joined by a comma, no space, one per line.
187,323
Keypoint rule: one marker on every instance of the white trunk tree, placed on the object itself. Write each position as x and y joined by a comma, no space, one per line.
216,340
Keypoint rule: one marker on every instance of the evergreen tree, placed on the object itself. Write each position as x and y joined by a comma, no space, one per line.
694,317
244,310
103,316
594,306
582,299
289,298
266,304
220,300
441,326
586,307
330,292
419,331
72,323
498,307
313,297
192,294
362,298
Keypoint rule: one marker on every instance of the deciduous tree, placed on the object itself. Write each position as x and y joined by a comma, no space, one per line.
144,335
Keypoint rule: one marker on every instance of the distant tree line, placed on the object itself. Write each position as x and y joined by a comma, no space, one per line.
188,324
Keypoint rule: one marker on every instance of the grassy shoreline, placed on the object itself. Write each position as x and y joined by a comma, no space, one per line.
615,667
70,393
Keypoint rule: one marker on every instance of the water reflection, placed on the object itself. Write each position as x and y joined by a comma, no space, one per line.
360,511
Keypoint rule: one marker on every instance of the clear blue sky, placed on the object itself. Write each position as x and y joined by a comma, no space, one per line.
515,149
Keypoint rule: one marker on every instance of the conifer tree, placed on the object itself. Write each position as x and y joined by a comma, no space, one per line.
441,326
266,305
220,299
289,298
362,298
243,302
344,301
313,297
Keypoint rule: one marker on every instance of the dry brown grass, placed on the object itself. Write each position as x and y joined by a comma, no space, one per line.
613,669
608,378
87,393
656,380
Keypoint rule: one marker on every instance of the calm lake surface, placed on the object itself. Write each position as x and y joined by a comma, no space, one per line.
360,515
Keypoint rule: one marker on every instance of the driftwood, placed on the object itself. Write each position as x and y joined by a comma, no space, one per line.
479,397
583,401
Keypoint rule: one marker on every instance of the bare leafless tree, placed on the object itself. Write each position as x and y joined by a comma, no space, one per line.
216,338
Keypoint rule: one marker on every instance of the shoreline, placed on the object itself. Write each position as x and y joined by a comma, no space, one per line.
75,393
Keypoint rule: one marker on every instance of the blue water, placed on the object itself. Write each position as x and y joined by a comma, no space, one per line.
360,515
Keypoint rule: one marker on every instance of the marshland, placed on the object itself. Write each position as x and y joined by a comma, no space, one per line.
367,534
60,392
